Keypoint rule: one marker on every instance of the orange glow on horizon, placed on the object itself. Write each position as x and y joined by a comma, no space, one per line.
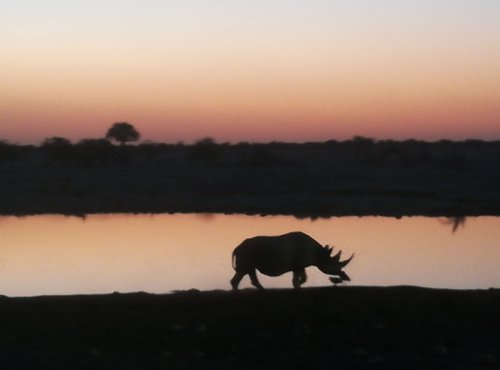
252,74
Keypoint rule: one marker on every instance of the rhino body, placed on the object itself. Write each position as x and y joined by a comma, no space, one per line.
276,255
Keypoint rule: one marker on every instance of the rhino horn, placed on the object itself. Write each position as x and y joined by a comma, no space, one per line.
345,262
336,258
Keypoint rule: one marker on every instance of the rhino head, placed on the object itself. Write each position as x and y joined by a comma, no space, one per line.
332,265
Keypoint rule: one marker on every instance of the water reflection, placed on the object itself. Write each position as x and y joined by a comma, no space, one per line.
455,222
161,253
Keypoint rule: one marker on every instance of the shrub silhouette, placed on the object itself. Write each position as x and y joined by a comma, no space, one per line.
205,149
57,149
94,152
13,152
123,132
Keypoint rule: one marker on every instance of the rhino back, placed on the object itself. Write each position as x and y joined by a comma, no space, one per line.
276,255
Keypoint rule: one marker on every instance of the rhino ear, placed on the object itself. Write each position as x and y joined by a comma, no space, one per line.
328,249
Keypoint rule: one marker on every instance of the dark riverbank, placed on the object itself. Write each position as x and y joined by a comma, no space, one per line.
315,328
358,177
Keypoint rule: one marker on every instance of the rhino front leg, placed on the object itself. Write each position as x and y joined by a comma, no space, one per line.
299,278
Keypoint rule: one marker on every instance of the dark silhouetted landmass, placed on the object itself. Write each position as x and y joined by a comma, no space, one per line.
316,328
356,177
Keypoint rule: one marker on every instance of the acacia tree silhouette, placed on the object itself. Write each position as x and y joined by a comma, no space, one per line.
123,132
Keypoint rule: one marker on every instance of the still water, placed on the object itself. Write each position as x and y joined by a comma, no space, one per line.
52,254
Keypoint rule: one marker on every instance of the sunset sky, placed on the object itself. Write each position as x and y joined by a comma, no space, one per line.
241,70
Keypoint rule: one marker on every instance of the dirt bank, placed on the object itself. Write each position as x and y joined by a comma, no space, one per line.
315,328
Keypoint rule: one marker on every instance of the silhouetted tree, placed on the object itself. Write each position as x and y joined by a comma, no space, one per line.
12,152
123,132
205,149
456,222
260,155
57,148
55,141
94,151
363,148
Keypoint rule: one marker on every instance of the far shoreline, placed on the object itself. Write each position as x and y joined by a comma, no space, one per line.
411,209
361,177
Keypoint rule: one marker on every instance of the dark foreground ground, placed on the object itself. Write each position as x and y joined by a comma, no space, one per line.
315,328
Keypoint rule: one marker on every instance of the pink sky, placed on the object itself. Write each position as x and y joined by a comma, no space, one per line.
251,71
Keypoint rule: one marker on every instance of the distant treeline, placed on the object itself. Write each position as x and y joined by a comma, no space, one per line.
58,150
355,177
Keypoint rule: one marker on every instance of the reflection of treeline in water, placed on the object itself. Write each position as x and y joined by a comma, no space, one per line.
358,176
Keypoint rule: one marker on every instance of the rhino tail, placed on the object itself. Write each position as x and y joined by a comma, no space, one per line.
233,259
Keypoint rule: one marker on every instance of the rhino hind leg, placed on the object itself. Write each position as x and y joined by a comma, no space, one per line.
255,280
235,281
